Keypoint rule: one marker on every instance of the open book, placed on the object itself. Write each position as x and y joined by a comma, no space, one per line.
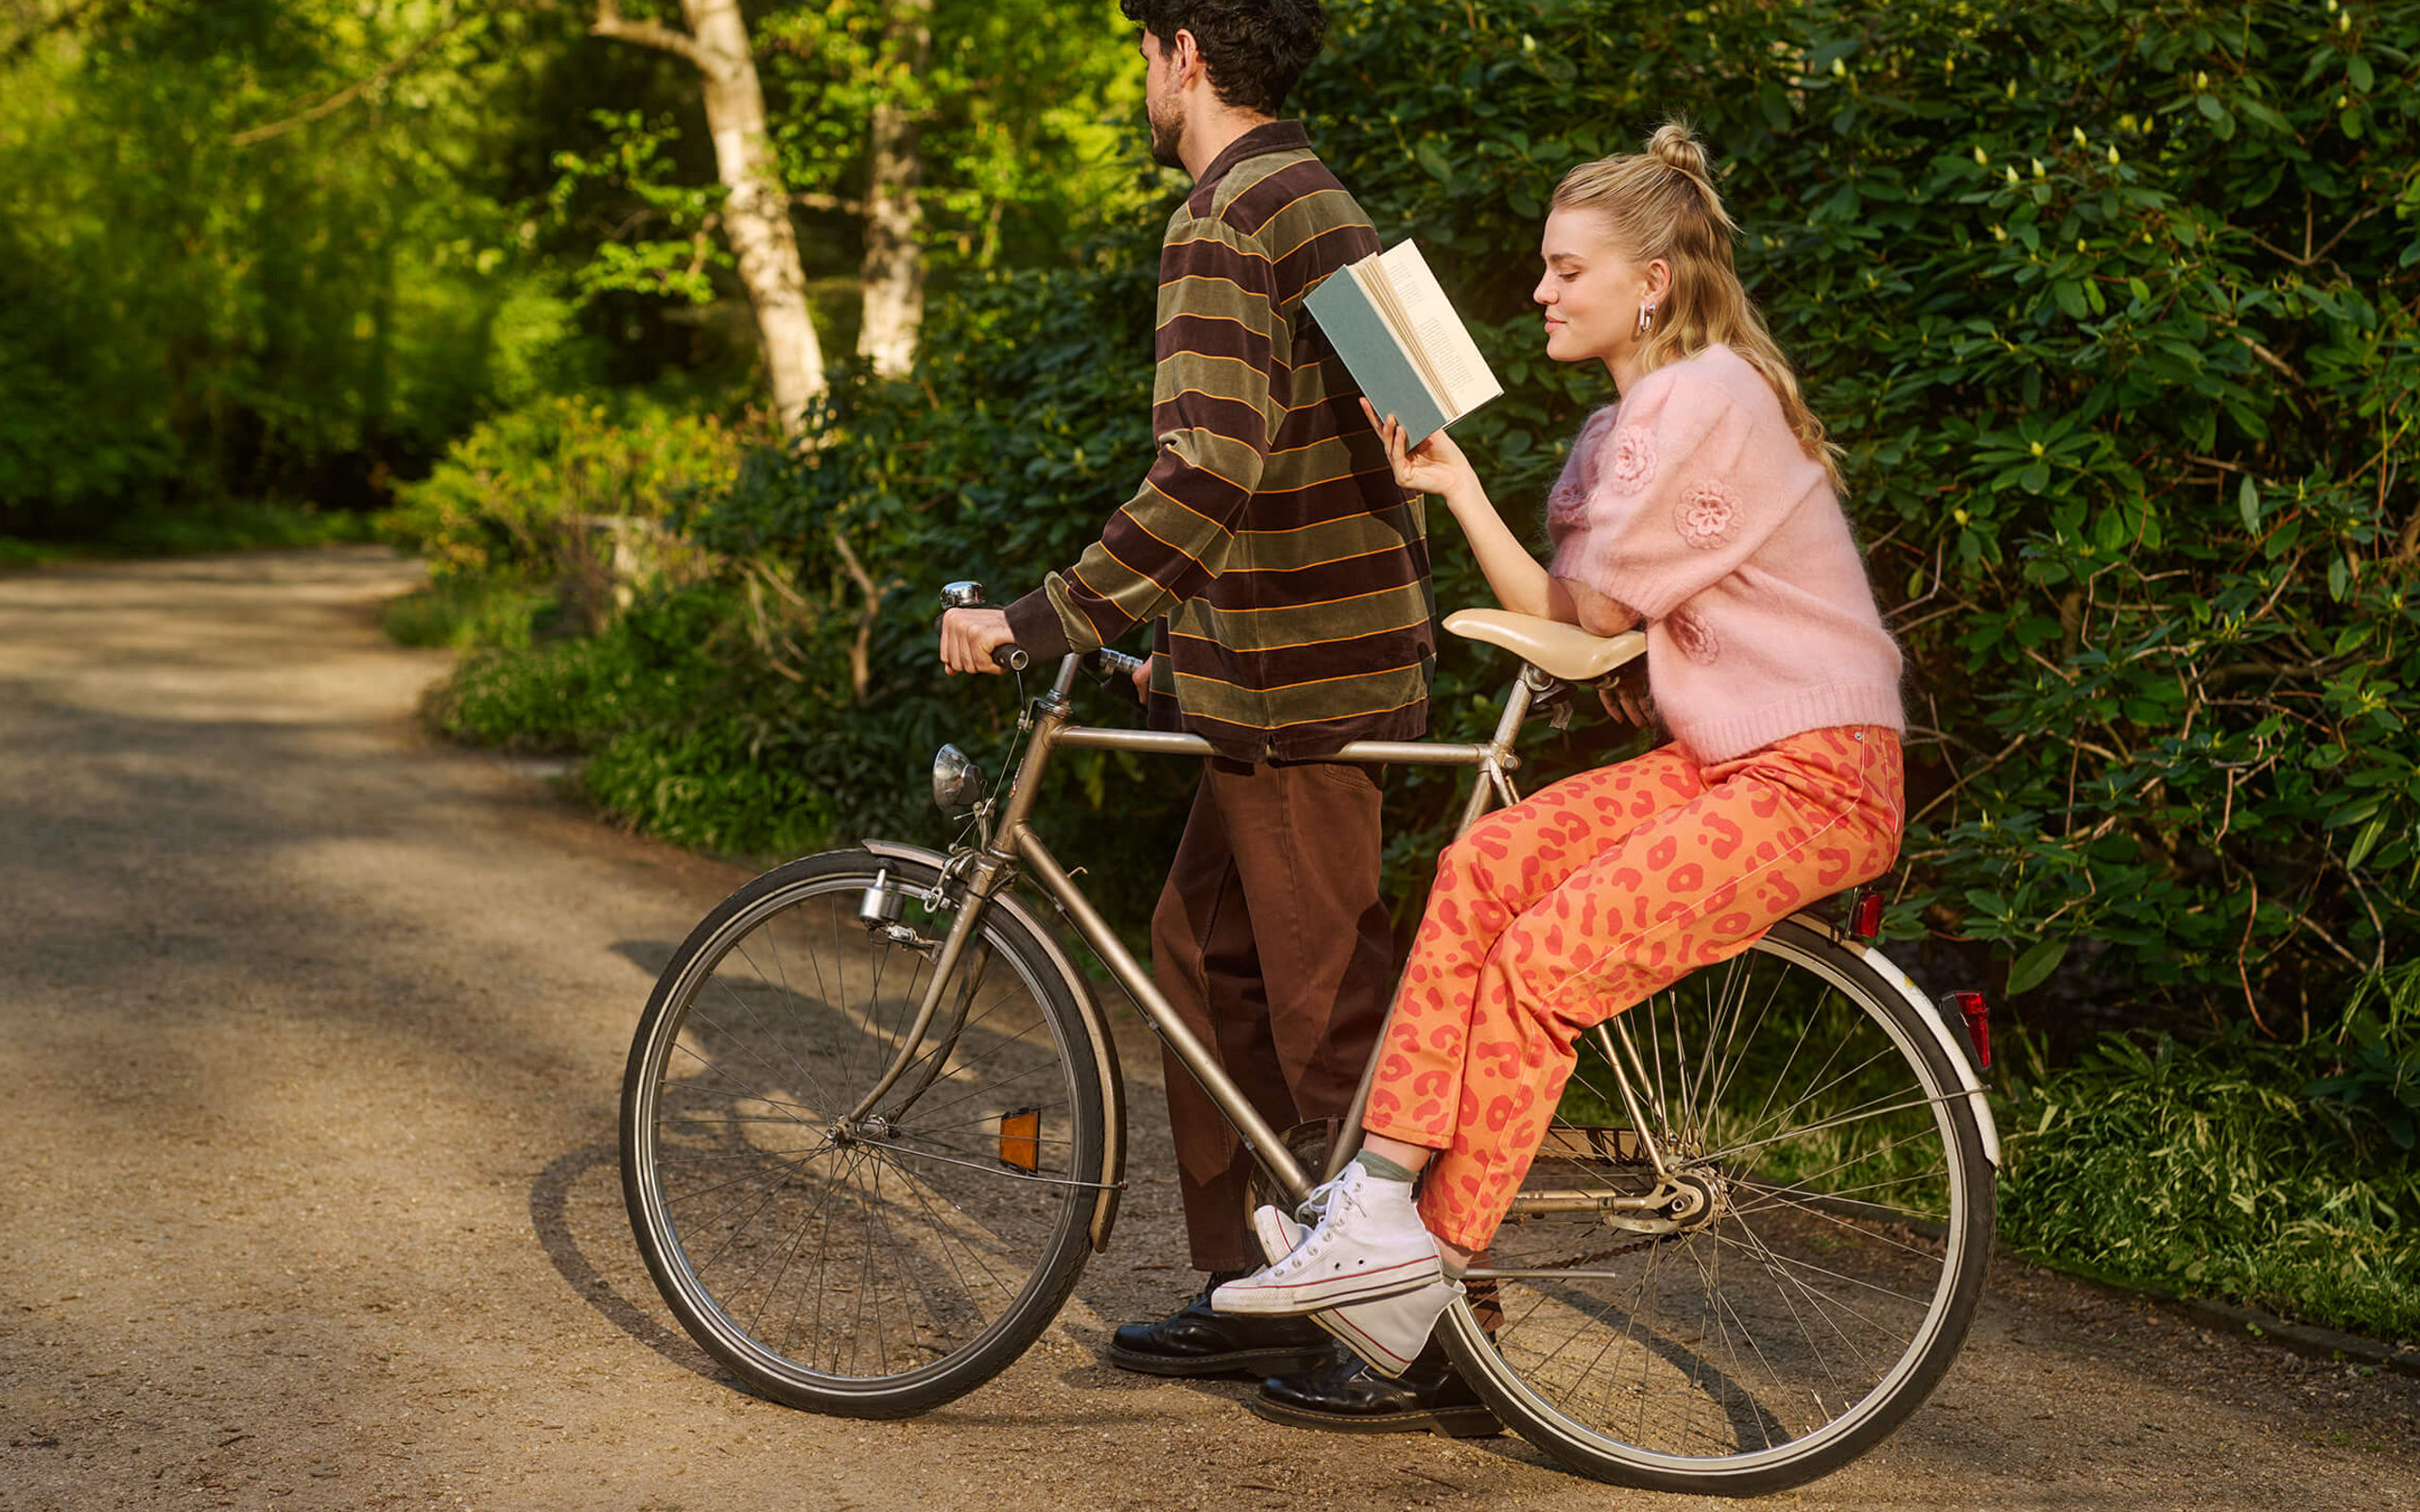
1399,335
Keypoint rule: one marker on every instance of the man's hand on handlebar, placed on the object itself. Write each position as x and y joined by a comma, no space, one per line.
971,636
1143,682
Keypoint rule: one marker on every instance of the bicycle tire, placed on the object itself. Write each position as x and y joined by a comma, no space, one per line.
770,1231
1629,1366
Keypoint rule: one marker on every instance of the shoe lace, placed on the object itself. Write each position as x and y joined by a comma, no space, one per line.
1310,1212
1325,1198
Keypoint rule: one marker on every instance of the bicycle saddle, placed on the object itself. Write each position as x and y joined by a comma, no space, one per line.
1559,650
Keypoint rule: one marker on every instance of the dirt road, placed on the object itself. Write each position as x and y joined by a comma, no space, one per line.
312,1038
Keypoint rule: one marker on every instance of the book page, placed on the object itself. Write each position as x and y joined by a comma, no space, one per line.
1442,347
1370,273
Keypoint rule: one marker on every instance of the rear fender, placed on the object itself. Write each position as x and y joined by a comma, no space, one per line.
1927,1013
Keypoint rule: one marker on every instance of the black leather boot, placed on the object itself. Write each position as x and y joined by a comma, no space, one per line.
1344,1396
1194,1341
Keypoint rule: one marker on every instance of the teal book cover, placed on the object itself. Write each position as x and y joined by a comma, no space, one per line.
1380,365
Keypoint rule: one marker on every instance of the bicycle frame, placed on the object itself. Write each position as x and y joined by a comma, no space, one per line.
1015,842
990,870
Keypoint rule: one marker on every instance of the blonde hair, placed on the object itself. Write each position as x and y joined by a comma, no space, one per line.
1661,202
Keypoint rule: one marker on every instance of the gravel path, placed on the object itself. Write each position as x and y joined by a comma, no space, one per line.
313,1035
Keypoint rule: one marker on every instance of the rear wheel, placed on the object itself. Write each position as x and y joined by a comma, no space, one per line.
878,1268
1813,1264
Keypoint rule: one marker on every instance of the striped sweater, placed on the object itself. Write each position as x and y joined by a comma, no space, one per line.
1289,568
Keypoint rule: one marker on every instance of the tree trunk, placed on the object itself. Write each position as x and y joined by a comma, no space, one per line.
755,215
892,279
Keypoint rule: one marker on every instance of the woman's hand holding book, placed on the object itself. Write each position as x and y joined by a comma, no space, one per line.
1435,466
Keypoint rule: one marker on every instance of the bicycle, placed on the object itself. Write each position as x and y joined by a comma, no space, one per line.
873,1123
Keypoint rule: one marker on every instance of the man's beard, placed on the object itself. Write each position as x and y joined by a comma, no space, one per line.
1168,139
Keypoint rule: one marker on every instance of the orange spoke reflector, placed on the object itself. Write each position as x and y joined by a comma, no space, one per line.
1021,1139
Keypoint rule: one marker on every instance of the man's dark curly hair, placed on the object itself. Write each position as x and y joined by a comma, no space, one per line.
1254,49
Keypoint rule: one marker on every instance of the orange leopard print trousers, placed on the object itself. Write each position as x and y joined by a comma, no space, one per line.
1552,916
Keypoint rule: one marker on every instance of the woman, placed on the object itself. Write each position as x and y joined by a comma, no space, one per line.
1703,506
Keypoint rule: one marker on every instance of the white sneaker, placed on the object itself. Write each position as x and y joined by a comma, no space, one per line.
1390,1332
1369,1243
1279,1234
1386,1333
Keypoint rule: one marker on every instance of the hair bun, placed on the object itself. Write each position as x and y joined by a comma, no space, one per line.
1676,145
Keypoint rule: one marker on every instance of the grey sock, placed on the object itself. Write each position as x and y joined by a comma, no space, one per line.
1379,1166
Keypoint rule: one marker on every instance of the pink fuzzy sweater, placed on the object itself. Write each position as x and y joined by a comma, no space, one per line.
1690,507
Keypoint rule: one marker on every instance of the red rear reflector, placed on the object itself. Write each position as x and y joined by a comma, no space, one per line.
1021,1139
1978,1024
1866,921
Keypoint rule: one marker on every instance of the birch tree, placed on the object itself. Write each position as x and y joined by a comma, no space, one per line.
892,279
756,213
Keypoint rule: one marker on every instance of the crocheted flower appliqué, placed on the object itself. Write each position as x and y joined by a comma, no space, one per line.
1696,640
1706,514
1633,459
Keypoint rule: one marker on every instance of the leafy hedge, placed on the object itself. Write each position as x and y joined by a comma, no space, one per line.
2113,304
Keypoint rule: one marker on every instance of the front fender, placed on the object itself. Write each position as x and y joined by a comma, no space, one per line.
1104,1048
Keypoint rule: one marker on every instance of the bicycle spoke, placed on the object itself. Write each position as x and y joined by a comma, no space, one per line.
903,1249
1769,1332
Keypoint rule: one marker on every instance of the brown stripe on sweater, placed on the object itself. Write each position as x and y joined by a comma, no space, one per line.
1221,335
1323,581
1382,651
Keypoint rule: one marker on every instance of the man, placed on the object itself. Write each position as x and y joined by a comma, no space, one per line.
1288,575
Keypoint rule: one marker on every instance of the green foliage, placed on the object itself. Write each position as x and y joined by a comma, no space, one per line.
530,491
463,612
1016,158
2206,1170
686,736
214,525
2120,448
187,314
2124,389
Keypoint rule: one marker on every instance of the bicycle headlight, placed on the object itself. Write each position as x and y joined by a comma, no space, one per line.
958,782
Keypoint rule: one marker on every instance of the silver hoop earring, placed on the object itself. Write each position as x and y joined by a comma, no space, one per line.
1646,316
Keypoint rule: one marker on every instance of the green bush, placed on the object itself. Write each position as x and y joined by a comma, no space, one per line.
560,485
2120,446
2112,305
549,519
466,612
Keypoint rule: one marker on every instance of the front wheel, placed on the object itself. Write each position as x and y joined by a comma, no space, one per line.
880,1266
1816,1266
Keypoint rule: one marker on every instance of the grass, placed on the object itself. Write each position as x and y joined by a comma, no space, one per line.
232,524
2213,1169
471,613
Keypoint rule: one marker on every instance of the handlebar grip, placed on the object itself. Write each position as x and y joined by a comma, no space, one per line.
1116,663
1011,657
